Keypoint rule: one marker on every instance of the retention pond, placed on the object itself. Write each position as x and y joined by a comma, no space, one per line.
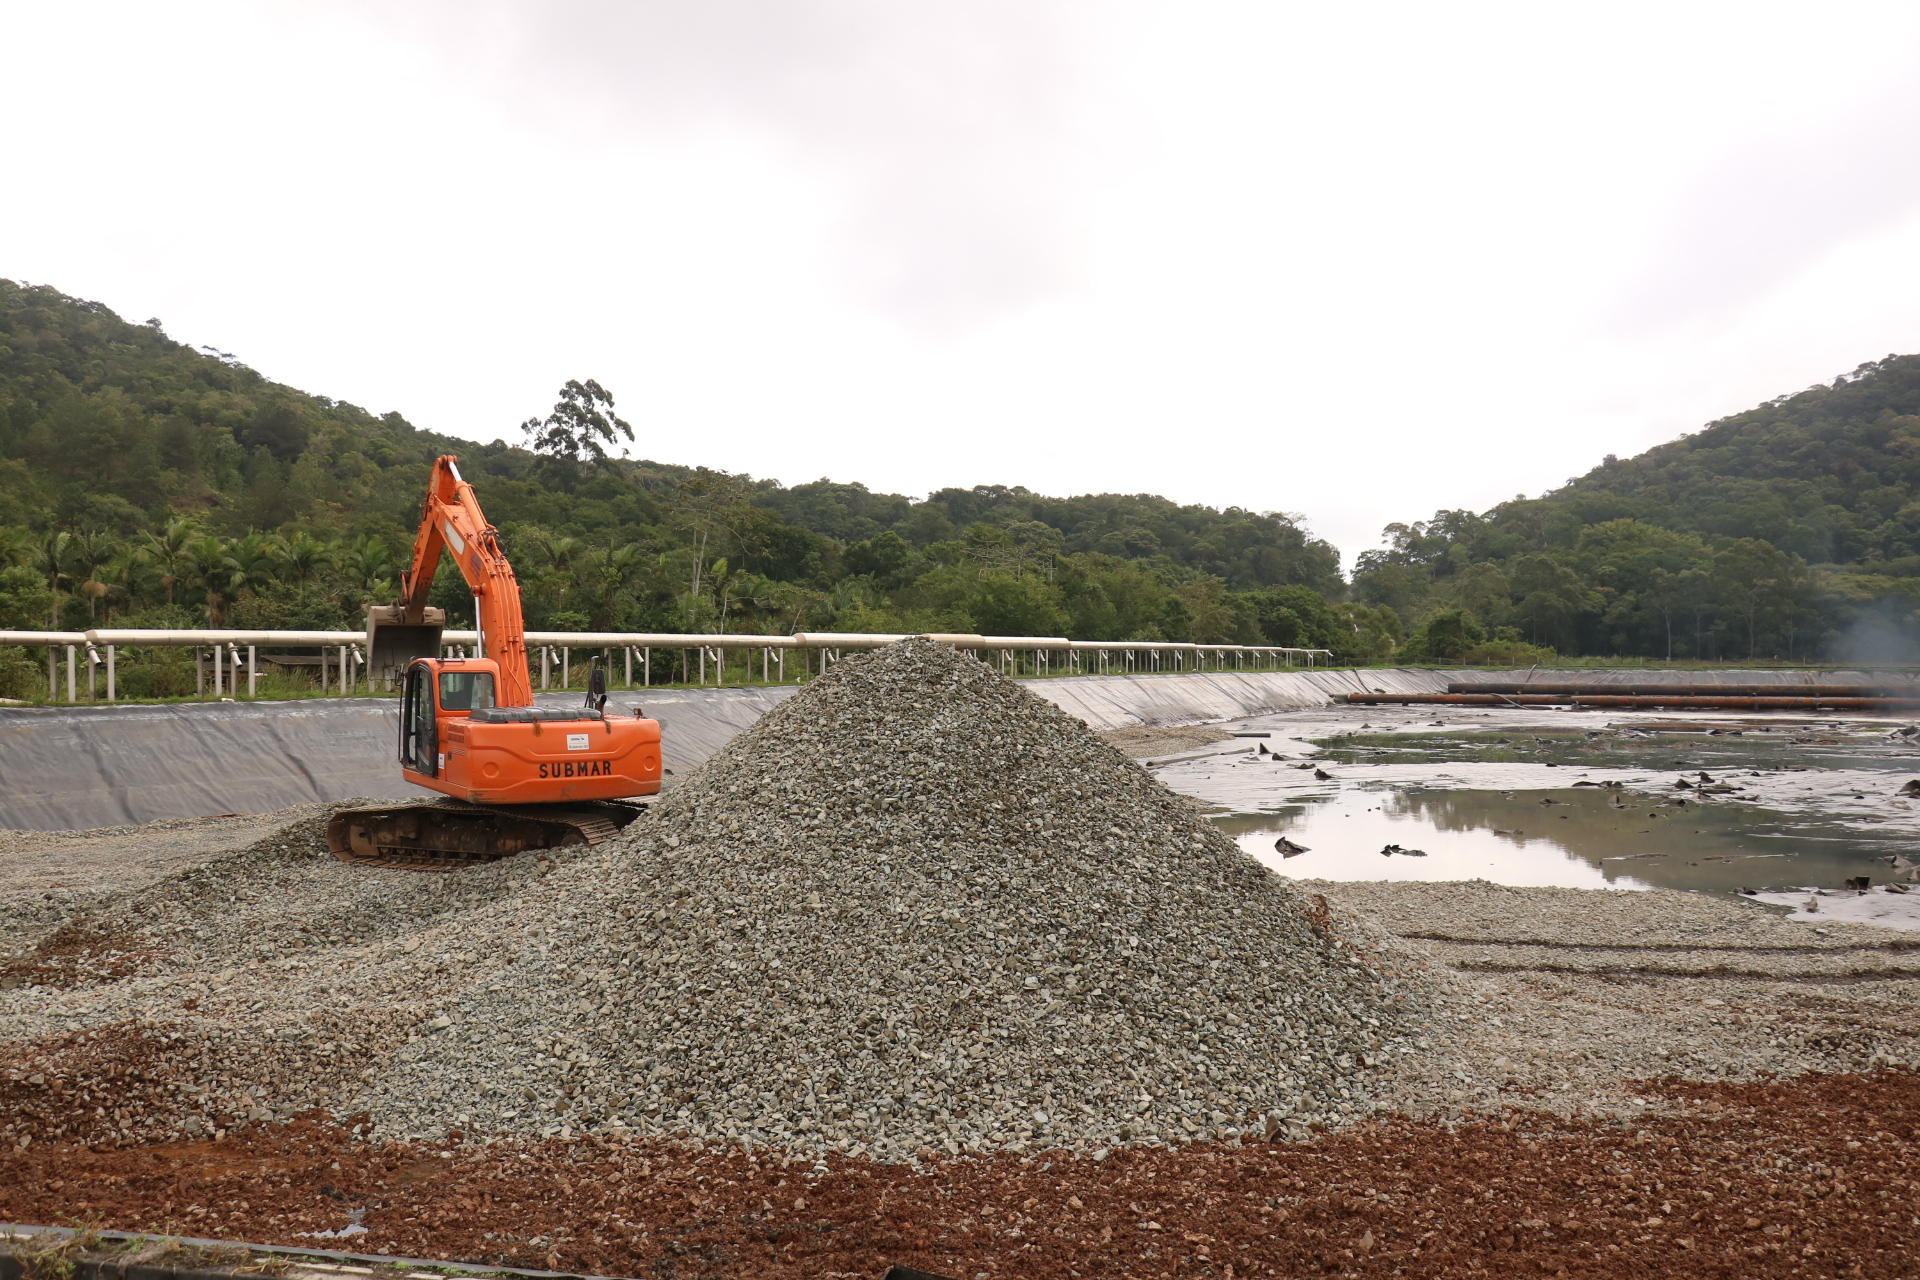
1538,798
1576,838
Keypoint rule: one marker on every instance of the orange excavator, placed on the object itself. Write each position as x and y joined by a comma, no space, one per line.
516,777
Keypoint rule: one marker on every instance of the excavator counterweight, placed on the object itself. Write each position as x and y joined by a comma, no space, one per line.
515,776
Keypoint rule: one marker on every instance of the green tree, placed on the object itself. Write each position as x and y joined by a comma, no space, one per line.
1446,636
1750,577
302,558
87,557
1001,604
170,551
49,558
216,574
367,570
578,430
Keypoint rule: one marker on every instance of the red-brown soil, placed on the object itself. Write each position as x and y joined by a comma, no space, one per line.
1805,1177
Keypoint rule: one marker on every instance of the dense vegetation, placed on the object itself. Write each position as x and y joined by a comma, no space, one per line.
146,483
1791,530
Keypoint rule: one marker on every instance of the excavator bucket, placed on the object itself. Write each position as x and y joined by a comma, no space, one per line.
393,642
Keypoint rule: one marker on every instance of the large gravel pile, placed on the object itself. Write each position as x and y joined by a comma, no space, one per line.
914,907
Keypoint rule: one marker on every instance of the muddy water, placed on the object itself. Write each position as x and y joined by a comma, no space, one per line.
1794,803
1574,837
1821,747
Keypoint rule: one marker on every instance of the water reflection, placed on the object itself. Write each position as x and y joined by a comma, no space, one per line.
1574,837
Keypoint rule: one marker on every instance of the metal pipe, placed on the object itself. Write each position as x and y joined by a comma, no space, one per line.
110,673
1659,689
1631,701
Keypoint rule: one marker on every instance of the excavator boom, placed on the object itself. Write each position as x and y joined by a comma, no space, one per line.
518,776
451,521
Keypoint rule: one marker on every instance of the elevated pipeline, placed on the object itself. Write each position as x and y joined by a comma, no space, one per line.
1630,701
1669,689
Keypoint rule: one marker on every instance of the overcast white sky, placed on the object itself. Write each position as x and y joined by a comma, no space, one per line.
1352,261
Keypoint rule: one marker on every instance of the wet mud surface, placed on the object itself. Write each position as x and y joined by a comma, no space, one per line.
1766,1178
1539,797
1579,837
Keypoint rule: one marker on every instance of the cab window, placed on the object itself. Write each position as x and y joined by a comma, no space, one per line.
465,690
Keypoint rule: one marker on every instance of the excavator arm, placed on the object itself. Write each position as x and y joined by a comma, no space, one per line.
451,521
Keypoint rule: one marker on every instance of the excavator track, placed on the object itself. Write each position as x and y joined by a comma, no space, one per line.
448,835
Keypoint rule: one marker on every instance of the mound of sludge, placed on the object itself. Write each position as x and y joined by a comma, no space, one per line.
914,906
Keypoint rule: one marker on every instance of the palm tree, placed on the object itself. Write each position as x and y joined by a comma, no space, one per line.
50,559
88,553
303,558
610,574
367,566
216,573
254,561
120,574
170,551
16,546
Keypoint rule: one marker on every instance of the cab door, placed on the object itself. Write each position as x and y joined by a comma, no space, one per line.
419,733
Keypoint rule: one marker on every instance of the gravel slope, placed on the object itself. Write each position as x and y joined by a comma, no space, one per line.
914,907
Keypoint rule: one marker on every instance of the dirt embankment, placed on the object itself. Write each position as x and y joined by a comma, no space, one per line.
1147,740
1810,1177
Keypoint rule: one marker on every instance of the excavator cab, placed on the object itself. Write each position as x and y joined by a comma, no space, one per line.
435,689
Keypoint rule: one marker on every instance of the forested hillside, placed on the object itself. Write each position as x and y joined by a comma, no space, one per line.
1790,530
144,482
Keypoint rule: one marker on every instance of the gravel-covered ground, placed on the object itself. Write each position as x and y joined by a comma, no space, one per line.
49,875
1809,1177
914,909
844,954
1576,996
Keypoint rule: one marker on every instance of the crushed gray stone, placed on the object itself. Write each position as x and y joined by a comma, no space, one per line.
913,907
